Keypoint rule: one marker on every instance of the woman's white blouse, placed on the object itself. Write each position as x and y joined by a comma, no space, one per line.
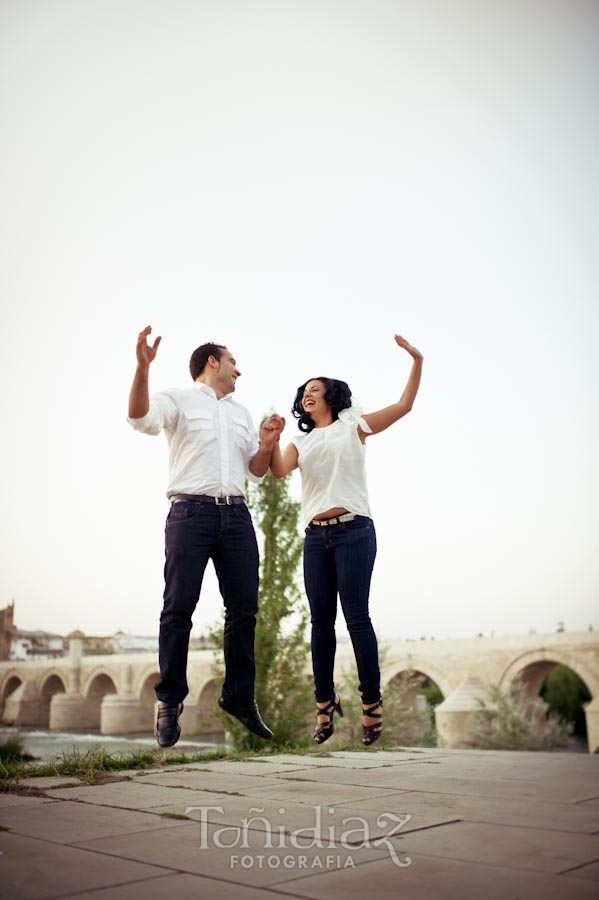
332,462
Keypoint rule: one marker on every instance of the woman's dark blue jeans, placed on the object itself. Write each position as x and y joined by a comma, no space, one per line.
338,559
197,531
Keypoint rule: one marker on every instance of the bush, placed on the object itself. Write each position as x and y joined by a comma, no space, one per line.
12,748
513,720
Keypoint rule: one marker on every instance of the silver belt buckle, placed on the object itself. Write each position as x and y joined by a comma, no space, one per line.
223,501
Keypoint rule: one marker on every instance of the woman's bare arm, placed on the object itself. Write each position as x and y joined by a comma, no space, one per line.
379,421
282,464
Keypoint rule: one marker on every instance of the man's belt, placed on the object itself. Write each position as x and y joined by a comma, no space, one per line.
205,498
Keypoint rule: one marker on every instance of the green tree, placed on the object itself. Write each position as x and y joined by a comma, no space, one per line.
283,687
431,690
565,693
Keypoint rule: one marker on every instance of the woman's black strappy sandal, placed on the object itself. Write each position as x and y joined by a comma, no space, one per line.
371,733
324,731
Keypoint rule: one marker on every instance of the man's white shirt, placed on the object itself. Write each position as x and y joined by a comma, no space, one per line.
211,441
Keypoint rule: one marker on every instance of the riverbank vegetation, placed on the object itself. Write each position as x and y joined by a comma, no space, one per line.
511,719
95,765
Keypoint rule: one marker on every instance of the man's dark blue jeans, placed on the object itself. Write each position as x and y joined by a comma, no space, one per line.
197,531
338,559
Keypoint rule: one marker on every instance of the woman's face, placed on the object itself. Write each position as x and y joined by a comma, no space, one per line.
313,401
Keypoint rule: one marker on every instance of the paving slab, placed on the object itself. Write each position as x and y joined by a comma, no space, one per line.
223,781
8,798
182,887
309,792
68,822
473,824
434,780
251,766
519,848
329,823
434,879
133,795
50,781
388,775
542,814
232,854
363,761
590,872
34,870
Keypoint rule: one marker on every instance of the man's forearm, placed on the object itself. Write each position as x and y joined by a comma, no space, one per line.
139,398
260,462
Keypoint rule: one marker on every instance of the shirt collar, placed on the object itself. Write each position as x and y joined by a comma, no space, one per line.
206,389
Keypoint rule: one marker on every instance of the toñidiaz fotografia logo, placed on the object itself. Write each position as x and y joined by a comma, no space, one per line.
256,843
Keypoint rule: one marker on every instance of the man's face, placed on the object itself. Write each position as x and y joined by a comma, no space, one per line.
228,373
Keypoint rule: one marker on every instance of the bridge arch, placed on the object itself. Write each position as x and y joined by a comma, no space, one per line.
419,668
534,666
146,694
148,674
207,715
11,683
52,684
92,676
97,686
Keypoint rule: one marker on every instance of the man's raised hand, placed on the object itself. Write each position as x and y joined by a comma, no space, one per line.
145,353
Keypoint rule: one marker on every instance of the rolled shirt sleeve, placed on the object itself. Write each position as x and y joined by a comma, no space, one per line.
162,414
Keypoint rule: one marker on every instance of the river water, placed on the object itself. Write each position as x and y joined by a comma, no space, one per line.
46,745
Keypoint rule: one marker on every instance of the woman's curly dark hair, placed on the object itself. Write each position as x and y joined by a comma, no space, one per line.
337,396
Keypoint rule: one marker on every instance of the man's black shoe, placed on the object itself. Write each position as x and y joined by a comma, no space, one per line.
248,715
168,730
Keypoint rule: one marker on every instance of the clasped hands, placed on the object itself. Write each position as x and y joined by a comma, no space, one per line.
270,430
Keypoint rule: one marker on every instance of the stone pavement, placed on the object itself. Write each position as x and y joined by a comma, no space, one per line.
424,824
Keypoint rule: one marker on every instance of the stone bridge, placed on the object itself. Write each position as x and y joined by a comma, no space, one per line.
114,694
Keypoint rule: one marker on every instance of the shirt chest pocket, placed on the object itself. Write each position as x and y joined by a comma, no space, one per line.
241,432
200,425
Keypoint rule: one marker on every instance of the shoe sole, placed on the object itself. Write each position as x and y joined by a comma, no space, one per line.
247,727
170,743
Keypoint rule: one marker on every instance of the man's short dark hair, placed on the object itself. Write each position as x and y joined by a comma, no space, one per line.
200,356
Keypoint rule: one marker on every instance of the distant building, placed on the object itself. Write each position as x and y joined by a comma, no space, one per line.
36,646
19,645
92,646
134,643
7,630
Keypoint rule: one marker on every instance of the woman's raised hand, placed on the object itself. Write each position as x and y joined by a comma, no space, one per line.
401,342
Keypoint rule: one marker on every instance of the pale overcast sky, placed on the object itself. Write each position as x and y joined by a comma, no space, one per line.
302,180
